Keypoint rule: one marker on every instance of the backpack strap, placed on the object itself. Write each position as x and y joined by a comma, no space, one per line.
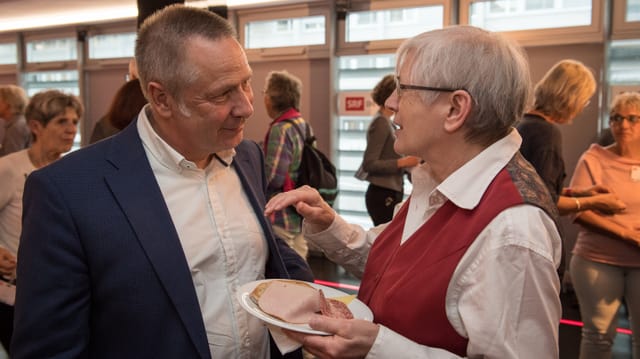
306,137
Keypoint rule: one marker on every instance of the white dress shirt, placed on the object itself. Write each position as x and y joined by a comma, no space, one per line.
504,293
222,241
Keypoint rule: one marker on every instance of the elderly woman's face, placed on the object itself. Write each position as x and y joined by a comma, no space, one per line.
57,136
625,124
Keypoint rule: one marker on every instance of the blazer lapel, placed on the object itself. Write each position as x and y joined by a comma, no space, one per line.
252,185
135,188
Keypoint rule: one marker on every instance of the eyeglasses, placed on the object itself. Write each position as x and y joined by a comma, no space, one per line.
617,118
400,88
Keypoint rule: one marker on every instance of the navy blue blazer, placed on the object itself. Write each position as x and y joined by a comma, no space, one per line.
101,270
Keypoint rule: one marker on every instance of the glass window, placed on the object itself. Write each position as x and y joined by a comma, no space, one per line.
513,15
8,54
300,31
633,10
623,73
624,62
392,23
109,46
64,49
357,75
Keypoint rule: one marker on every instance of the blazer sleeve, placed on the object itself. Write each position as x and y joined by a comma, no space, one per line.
52,299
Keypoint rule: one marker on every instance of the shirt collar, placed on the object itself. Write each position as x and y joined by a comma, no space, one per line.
288,114
164,153
467,184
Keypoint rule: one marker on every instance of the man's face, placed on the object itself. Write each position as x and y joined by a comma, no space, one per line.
57,136
210,115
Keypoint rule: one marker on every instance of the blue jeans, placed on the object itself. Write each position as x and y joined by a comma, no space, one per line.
600,289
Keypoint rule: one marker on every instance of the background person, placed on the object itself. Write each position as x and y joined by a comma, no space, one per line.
479,222
13,101
283,150
605,267
142,240
384,168
105,126
561,95
126,105
52,117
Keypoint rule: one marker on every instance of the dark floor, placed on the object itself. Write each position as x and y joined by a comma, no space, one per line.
569,333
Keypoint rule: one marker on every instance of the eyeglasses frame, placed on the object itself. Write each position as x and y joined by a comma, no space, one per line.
618,118
400,86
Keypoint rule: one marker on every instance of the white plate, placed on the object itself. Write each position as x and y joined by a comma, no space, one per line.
359,309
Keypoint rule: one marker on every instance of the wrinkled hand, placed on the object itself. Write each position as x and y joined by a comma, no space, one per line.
309,205
590,191
352,338
607,203
7,262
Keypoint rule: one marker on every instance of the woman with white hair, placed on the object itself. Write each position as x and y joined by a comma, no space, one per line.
479,222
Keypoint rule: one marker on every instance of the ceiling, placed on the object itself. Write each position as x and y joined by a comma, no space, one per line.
30,14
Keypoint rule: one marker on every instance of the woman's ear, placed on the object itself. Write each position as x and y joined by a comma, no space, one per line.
159,98
35,127
461,103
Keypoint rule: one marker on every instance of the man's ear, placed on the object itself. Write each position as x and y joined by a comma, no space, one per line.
461,103
159,99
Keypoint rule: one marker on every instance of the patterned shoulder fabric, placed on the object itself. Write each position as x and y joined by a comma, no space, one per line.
531,187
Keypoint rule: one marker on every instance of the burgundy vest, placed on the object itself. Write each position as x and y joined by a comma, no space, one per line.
405,285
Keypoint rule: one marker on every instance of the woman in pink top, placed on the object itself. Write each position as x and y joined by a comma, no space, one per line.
605,267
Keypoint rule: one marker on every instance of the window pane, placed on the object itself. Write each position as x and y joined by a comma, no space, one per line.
52,50
112,45
392,23
357,75
512,15
624,62
633,10
300,31
8,54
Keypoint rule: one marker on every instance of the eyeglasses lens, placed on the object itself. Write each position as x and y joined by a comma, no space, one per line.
617,118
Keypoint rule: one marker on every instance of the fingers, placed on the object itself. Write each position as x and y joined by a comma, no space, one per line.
286,199
326,324
7,261
307,202
599,189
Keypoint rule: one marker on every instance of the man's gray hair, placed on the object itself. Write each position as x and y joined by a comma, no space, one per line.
160,47
15,97
490,67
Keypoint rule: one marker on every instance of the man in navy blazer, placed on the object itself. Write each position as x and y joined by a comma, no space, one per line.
117,239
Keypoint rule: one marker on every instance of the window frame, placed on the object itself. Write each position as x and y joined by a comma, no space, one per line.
345,48
11,38
50,34
266,13
593,33
620,28
112,28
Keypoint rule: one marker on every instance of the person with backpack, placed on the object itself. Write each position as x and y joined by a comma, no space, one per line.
283,147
